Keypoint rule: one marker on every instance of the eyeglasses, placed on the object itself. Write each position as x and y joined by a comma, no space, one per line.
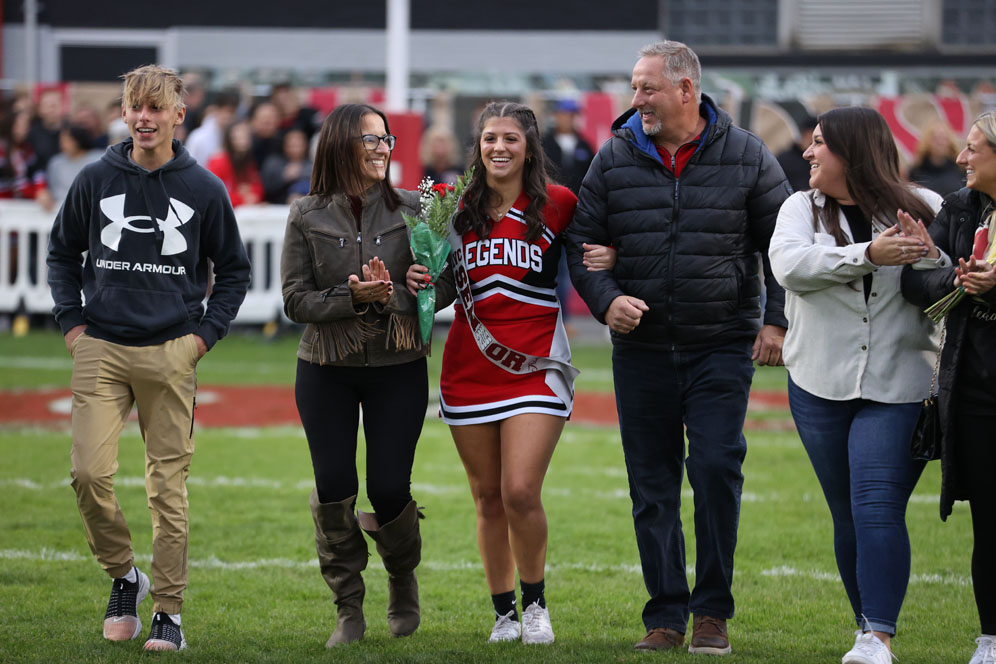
371,141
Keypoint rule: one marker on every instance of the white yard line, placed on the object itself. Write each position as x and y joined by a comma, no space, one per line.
817,575
52,363
66,363
434,489
213,562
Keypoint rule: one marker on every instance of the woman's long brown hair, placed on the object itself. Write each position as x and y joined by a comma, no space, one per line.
862,140
337,167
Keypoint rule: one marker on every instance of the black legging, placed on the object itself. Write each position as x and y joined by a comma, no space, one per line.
394,400
975,450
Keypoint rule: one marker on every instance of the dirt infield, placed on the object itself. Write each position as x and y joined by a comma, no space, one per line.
266,405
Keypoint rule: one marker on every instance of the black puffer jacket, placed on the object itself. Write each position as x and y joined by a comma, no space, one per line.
953,231
687,246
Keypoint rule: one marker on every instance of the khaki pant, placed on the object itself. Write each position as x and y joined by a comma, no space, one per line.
107,380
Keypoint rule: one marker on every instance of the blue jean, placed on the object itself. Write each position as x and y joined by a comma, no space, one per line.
661,395
860,450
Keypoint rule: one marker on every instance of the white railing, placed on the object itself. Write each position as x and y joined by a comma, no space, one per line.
24,233
262,228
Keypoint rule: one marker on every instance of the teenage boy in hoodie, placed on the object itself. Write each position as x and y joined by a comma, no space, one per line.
155,224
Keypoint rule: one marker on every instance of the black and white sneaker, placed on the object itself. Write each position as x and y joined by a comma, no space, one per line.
165,634
121,622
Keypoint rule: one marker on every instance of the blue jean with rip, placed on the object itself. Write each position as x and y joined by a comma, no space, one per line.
860,450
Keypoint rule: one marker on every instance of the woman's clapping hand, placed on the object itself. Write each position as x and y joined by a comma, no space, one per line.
376,285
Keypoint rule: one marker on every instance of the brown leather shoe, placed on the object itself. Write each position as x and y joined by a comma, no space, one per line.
661,638
709,636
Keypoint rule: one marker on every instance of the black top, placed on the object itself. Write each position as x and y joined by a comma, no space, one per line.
861,231
796,168
977,369
944,179
568,169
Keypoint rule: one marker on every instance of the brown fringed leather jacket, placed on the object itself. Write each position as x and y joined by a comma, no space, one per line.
323,245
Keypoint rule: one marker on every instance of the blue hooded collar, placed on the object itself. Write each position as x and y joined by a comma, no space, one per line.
643,142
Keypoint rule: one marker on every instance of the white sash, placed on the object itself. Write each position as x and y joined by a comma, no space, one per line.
510,360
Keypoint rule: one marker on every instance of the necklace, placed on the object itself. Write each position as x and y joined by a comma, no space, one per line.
500,212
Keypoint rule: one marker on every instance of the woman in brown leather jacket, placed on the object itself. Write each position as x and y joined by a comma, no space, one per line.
345,244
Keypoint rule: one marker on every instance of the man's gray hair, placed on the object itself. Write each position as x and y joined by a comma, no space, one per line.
679,62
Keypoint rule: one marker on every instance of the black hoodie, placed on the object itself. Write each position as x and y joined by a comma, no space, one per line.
149,235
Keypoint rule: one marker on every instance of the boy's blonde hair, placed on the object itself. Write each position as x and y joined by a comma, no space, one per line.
156,85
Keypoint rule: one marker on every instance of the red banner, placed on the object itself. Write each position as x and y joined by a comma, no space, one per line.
406,167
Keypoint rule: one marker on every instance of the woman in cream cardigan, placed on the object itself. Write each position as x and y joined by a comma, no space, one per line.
859,356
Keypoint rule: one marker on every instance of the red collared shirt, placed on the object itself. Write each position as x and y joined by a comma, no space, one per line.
681,158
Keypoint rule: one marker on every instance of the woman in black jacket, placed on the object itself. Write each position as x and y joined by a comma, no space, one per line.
965,229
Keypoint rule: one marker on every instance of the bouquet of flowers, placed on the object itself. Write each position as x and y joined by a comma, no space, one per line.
943,306
438,204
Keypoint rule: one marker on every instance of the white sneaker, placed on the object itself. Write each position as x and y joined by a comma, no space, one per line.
986,652
121,621
506,628
165,634
536,627
868,649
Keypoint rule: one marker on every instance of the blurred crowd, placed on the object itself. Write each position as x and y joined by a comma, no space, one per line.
260,146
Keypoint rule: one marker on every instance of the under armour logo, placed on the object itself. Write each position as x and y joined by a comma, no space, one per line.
173,240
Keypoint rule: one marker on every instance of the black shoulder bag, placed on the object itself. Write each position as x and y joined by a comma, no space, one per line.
926,442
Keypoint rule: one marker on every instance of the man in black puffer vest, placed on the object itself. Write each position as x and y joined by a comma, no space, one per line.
688,201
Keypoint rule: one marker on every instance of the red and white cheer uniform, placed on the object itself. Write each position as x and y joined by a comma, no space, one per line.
513,283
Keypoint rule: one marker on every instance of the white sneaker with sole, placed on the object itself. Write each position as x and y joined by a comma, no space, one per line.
868,649
121,621
506,628
165,634
986,652
536,627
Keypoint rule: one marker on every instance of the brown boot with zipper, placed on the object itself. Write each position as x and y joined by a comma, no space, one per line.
399,544
342,556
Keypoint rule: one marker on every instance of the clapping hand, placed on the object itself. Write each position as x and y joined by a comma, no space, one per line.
894,247
915,228
977,277
376,285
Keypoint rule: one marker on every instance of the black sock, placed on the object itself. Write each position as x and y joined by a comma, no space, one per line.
503,603
532,592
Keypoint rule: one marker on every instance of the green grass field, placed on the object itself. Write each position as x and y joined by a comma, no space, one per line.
255,593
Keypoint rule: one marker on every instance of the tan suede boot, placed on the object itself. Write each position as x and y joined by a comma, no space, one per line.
399,544
342,556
